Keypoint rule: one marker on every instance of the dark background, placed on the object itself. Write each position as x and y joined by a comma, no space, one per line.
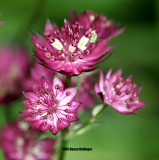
120,137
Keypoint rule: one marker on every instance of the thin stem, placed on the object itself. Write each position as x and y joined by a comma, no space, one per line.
64,140
63,144
79,80
68,81
92,119
8,113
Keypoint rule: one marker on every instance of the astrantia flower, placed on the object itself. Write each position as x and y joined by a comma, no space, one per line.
104,28
51,106
72,50
20,143
14,65
119,92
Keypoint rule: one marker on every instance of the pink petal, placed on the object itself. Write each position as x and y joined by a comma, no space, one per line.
44,126
71,108
54,130
31,96
57,86
36,124
101,81
32,119
96,88
68,95
26,104
121,108
108,74
73,16
49,28
63,124
25,112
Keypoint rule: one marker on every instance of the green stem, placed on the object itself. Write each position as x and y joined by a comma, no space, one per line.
63,144
8,113
68,81
64,140
92,119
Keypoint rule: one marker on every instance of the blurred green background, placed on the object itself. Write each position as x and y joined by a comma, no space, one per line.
121,137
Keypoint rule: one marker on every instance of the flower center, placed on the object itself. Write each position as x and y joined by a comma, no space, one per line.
71,44
52,110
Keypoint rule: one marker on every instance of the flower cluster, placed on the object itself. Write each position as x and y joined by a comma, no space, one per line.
52,100
50,106
119,92
77,47
21,143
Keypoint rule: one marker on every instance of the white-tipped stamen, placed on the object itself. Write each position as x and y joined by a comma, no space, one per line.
57,44
82,43
72,48
92,18
93,37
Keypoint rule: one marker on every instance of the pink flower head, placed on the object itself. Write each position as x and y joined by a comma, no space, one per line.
14,66
104,28
72,50
38,72
20,143
119,92
50,106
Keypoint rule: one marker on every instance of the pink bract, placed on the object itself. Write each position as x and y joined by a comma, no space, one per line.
118,92
14,67
72,50
104,28
21,143
50,106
